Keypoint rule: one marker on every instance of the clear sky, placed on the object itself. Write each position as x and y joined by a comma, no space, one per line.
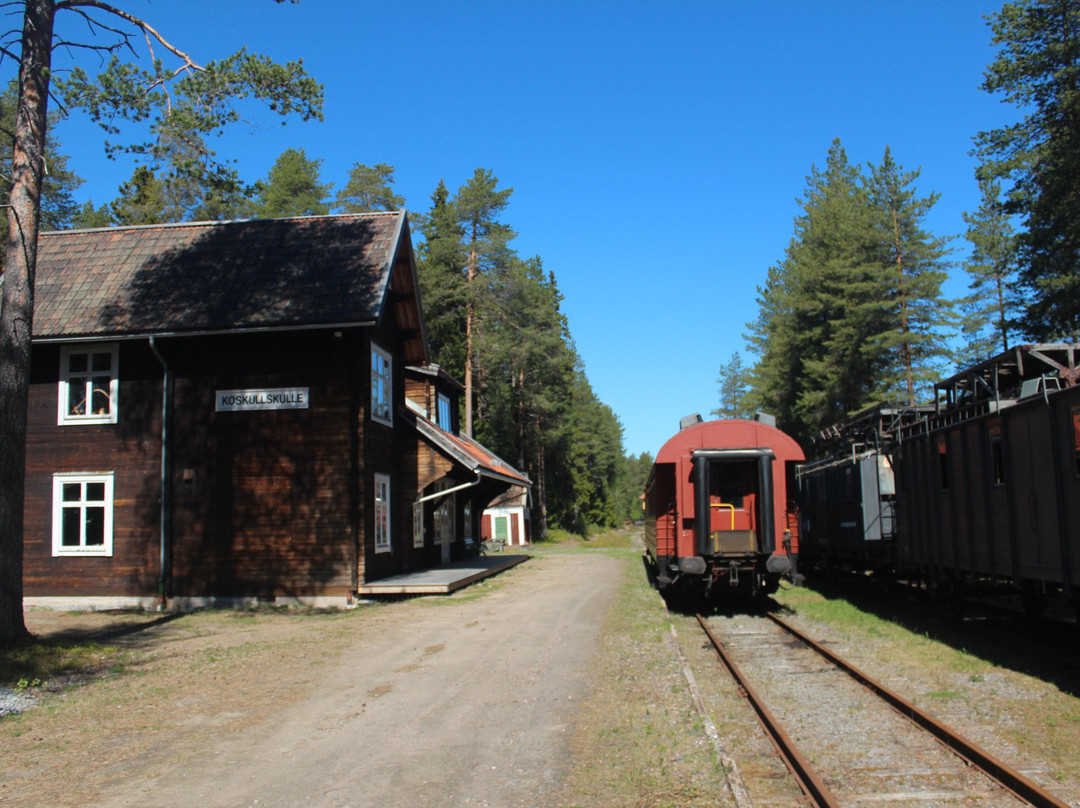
656,150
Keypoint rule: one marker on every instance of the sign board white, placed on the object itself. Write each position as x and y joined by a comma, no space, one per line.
277,398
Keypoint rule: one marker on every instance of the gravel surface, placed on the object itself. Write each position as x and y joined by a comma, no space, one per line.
459,701
13,702
860,747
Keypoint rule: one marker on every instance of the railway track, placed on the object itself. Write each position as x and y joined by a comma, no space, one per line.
845,738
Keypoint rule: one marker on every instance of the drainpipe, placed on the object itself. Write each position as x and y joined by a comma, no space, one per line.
163,527
453,490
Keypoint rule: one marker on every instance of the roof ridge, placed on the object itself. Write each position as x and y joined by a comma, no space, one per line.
221,222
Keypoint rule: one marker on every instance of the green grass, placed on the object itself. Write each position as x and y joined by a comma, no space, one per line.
35,662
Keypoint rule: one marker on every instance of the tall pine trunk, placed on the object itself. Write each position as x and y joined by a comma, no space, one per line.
17,309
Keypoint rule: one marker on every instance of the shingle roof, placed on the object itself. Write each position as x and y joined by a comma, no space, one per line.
215,276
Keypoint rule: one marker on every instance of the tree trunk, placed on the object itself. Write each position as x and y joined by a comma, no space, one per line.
540,526
17,309
470,335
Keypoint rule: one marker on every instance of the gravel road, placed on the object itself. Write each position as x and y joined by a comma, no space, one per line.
469,704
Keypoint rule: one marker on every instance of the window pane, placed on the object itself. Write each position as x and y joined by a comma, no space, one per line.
95,492
103,362
72,492
77,363
77,395
95,527
101,403
70,529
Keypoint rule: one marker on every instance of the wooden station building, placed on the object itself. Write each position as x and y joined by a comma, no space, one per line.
234,412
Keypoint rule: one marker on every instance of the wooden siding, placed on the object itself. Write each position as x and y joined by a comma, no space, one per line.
130,449
263,500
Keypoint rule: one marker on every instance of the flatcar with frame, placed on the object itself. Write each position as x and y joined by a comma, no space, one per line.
847,494
720,515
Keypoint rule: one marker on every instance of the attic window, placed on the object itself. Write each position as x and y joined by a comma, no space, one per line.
445,421
88,385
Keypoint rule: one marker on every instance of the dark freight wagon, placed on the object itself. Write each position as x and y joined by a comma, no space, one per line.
719,509
989,484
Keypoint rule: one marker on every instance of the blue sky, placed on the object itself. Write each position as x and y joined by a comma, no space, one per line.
656,150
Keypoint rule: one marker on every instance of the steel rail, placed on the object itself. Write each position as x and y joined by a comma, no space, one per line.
809,781
1009,778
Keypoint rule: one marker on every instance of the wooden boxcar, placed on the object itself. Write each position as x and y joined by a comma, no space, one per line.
719,509
989,485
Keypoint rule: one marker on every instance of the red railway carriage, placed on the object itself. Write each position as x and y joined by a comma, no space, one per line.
719,508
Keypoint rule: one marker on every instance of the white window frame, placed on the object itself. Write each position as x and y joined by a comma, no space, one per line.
418,524
83,479
381,527
64,417
382,385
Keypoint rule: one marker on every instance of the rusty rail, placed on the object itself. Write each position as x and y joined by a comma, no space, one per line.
1008,777
809,781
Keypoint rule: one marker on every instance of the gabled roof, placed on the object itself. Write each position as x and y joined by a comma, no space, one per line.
211,277
470,454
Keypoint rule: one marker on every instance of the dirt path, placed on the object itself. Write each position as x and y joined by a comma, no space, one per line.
458,702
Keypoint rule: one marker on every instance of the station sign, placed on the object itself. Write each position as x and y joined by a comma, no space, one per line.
276,398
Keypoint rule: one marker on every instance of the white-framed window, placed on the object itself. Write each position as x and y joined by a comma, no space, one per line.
444,515
382,513
88,384
418,524
83,514
445,422
382,385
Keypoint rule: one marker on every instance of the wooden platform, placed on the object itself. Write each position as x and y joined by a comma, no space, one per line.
442,580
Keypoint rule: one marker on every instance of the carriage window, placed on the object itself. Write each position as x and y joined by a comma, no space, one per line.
88,385
728,482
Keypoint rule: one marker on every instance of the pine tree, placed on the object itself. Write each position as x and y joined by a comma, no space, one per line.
440,270
368,189
477,206
143,200
913,270
58,206
292,188
734,381
1038,70
991,310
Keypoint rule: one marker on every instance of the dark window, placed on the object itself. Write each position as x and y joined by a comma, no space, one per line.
943,463
997,458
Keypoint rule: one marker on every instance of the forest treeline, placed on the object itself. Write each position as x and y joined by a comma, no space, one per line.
853,315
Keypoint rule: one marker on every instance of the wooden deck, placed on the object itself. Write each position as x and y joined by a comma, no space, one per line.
442,580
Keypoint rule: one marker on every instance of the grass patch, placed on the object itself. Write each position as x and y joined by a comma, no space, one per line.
36,662
640,741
